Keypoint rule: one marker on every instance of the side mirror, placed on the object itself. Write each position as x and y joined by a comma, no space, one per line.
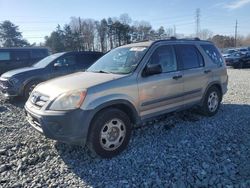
152,69
57,65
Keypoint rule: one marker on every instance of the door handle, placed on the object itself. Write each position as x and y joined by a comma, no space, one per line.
177,77
207,71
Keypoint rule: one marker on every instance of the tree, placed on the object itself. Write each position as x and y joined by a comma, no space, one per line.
223,41
56,40
102,29
10,36
205,34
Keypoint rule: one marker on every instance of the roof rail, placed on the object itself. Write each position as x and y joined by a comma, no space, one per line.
173,38
197,38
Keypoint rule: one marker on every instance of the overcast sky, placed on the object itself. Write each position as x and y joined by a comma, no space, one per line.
38,18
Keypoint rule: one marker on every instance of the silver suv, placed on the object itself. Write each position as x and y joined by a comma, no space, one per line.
126,87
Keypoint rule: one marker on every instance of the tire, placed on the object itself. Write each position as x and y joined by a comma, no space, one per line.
28,88
211,102
109,133
240,65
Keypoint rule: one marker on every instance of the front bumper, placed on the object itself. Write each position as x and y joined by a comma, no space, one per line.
231,62
65,126
7,90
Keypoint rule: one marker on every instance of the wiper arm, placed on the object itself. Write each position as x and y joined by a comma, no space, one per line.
101,71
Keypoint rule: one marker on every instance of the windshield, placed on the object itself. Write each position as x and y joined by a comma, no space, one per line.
243,50
47,60
119,61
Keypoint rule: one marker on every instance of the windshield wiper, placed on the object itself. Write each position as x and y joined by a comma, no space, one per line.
101,71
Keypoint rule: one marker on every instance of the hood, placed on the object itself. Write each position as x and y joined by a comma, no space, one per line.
80,80
18,71
225,55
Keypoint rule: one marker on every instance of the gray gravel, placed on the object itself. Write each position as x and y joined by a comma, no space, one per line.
183,150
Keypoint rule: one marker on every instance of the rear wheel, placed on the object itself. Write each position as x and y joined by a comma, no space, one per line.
29,88
109,133
212,101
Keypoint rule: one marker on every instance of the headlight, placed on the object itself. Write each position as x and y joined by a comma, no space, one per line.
13,81
69,101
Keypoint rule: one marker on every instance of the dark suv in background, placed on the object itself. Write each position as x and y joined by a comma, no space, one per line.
21,82
13,58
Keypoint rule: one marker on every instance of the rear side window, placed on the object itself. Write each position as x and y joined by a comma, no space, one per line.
4,56
189,57
213,53
39,54
21,55
86,60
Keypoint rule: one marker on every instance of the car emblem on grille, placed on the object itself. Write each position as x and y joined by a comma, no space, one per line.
34,98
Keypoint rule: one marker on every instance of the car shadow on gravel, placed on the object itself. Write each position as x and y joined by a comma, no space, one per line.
139,157
16,102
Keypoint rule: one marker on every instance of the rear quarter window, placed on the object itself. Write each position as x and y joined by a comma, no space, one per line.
213,53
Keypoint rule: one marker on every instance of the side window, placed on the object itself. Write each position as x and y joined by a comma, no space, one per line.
213,54
21,55
164,55
4,56
189,57
86,60
67,60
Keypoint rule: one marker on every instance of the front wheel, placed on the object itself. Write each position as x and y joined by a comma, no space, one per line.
211,101
29,88
109,133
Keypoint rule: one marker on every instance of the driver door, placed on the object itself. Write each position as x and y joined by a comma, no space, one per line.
64,65
161,93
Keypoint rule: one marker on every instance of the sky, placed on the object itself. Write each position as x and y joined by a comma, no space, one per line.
38,18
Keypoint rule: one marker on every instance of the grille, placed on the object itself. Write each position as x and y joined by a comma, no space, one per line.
38,99
4,84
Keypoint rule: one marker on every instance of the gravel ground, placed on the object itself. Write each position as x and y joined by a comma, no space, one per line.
183,150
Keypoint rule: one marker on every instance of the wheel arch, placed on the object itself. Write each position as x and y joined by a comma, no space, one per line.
212,84
122,105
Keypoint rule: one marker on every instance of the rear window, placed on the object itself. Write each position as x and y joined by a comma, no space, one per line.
213,54
4,56
189,57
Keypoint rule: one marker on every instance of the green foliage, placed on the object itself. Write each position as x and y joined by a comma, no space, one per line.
10,35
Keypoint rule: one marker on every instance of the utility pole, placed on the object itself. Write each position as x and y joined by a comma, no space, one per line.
174,31
197,21
236,33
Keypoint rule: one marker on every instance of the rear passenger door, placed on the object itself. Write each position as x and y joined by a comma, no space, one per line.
195,76
161,93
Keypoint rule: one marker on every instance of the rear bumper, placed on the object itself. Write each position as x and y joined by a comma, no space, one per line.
67,126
